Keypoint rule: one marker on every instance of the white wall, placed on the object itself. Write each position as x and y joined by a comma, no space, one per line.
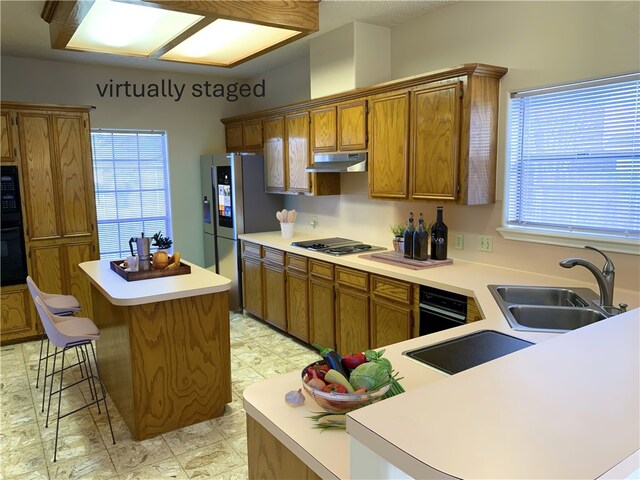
192,124
542,43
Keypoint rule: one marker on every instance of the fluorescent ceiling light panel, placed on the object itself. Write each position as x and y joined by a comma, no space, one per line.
126,29
225,42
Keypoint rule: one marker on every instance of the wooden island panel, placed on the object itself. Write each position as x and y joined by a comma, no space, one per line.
166,365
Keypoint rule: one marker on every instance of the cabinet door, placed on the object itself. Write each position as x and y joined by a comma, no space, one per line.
77,283
275,295
38,173
321,313
352,321
233,136
252,133
252,286
7,141
298,305
16,319
297,152
73,157
352,126
274,164
389,146
390,323
323,129
436,120
46,268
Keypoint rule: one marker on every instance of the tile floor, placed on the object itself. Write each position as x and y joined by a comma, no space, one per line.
213,449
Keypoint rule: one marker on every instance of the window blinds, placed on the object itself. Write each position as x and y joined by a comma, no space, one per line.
574,159
132,192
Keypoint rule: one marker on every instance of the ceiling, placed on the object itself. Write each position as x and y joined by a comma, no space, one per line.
24,34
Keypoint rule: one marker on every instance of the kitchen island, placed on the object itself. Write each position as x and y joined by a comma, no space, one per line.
164,347
592,373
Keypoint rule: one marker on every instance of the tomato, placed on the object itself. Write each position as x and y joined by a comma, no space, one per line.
353,360
334,387
320,370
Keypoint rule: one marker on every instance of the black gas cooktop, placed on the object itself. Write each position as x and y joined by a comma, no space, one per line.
337,246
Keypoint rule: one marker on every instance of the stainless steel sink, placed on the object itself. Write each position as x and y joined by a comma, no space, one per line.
561,297
554,318
547,309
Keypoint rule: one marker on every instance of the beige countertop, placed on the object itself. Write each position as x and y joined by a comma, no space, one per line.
121,292
327,452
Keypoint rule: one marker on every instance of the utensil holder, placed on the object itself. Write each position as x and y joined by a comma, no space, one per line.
286,229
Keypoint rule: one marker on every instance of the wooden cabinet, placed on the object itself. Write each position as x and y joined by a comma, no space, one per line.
339,128
297,134
245,136
52,147
274,155
436,142
275,296
352,310
391,311
473,312
252,298
321,304
297,297
17,319
389,145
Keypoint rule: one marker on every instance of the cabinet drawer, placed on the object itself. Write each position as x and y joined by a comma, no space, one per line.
296,262
352,278
251,250
391,289
321,269
271,255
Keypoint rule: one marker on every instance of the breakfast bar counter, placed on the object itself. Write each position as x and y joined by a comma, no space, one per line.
164,347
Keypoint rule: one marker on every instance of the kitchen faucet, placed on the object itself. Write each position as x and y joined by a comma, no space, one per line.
605,279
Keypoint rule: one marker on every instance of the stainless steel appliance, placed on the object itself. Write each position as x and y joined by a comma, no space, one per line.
440,310
143,247
12,247
337,246
233,203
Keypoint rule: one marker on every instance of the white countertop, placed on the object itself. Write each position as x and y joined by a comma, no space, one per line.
327,452
120,292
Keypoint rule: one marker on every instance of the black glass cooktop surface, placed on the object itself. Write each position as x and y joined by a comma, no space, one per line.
461,353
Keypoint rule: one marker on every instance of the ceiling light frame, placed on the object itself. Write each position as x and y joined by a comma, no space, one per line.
64,18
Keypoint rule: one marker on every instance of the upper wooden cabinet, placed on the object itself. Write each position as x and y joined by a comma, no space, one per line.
8,150
245,136
297,133
274,155
339,128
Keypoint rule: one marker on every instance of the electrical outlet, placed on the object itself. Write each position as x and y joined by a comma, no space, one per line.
459,241
485,243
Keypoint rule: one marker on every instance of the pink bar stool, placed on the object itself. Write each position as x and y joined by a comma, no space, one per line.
74,332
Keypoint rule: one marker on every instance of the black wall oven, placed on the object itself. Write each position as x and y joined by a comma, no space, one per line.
440,310
12,249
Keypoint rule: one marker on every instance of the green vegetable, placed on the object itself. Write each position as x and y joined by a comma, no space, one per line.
376,358
369,375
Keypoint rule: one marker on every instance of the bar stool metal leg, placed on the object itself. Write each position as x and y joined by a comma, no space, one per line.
55,446
40,357
104,393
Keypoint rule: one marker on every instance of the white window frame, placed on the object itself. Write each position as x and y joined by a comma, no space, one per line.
547,235
123,251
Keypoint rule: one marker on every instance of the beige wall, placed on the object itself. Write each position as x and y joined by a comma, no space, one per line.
541,43
192,124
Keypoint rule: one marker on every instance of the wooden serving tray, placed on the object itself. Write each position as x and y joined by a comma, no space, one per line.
395,258
183,269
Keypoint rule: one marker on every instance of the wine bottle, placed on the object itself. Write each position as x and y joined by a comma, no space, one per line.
439,232
420,241
408,237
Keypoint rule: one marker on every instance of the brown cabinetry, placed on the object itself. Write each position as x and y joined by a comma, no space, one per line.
339,128
18,321
52,146
275,296
321,304
391,311
274,155
352,310
252,299
245,136
297,133
297,297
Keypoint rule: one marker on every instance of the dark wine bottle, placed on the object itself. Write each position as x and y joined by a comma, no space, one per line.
420,241
439,233
408,237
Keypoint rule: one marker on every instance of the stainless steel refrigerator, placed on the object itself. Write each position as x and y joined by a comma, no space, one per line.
234,202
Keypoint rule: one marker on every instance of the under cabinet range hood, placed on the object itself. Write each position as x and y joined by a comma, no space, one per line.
338,162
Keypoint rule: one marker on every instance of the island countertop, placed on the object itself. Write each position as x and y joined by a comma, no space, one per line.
123,293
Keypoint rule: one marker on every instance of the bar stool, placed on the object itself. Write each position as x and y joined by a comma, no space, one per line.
61,305
65,334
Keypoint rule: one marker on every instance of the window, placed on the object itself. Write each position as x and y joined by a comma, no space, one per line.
132,187
574,165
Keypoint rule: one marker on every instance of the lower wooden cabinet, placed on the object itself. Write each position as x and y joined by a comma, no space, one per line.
268,458
298,305
252,286
18,319
275,299
322,313
352,321
390,323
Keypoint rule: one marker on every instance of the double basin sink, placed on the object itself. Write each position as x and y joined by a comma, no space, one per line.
547,309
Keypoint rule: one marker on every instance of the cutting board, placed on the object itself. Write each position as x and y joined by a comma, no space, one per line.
395,258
